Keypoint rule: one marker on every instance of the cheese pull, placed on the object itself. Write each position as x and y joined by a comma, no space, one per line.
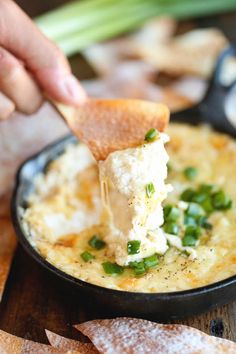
133,189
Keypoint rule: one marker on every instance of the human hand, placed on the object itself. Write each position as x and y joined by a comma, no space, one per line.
30,64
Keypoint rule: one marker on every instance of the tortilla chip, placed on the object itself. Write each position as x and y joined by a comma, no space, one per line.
10,344
131,335
70,344
7,248
193,53
110,125
137,79
190,87
156,30
104,57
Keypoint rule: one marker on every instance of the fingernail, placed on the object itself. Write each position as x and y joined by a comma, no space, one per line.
73,90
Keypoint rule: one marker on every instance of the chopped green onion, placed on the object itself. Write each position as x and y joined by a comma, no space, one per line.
221,201
189,240
171,213
199,197
87,256
97,243
187,195
112,268
189,220
207,205
202,203
193,231
194,210
133,247
191,236
202,221
151,261
190,173
138,267
171,228
150,189
207,226
205,188
151,135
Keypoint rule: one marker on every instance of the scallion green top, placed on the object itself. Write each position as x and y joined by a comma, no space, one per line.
112,268
87,256
150,189
96,243
151,135
141,267
133,247
201,203
190,173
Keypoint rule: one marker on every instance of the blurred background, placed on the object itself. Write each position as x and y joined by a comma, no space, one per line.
160,50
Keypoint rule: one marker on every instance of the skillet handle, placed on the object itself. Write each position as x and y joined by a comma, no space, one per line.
212,108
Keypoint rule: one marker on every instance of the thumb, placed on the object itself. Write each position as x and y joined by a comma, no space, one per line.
41,57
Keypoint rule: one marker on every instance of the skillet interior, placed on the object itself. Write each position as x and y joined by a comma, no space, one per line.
161,306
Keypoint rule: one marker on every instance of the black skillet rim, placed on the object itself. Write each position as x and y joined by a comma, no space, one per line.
21,235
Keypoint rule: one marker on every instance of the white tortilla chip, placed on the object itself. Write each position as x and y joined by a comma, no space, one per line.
70,344
10,344
136,79
193,53
156,30
136,336
104,57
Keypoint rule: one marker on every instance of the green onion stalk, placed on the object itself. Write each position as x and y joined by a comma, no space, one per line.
78,24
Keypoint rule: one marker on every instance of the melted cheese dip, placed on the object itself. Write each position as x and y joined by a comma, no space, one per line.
132,215
65,211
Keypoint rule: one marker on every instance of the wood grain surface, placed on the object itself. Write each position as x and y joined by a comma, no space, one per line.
34,300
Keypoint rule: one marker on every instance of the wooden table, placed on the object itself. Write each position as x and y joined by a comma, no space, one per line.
35,300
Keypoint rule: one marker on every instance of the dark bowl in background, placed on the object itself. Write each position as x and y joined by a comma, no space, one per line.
161,306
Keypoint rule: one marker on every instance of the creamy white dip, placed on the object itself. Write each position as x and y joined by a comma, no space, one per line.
65,211
132,213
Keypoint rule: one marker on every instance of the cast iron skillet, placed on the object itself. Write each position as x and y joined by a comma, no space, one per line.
161,306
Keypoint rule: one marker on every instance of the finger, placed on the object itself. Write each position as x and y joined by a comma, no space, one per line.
42,58
17,84
6,107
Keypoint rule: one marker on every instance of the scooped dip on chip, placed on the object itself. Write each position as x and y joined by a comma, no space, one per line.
133,189
147,237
